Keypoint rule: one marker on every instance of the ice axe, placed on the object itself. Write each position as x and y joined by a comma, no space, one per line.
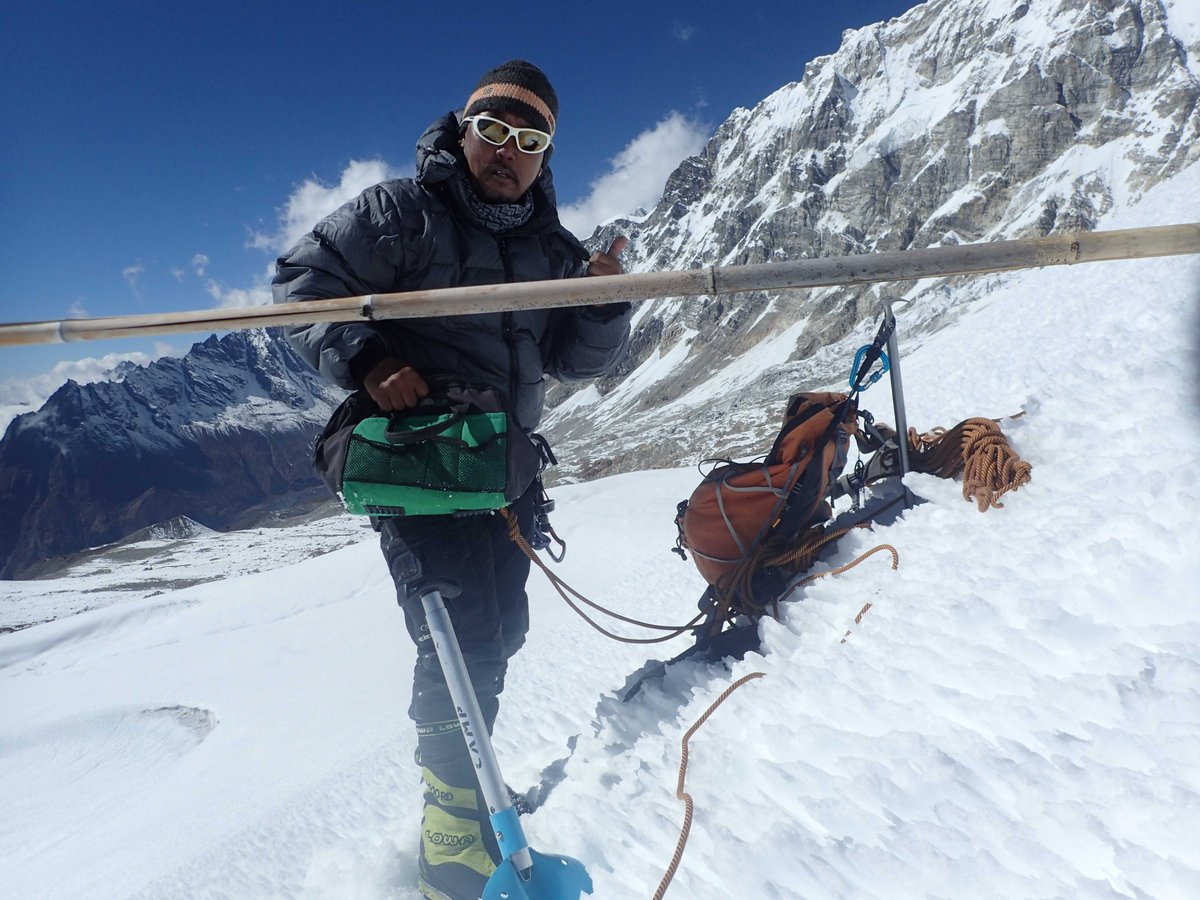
523,873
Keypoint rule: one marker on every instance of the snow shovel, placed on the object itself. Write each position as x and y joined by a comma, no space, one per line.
523,873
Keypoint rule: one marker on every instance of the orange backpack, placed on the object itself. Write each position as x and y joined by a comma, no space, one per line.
739,505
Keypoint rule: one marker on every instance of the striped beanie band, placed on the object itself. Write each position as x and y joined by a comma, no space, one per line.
520,88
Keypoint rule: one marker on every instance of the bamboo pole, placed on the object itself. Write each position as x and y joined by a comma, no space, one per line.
902,265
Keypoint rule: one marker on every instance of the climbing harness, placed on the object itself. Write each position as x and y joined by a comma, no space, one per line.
544,536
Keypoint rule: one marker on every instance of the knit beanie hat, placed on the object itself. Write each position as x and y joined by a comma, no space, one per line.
518,87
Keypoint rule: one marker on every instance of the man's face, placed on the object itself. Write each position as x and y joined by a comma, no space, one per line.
501,174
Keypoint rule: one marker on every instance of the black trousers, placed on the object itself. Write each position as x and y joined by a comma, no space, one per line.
490,616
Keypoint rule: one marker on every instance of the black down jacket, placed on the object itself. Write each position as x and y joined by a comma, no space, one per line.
416,234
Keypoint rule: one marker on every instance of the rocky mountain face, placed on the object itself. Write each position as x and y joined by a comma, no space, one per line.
210,436
960,121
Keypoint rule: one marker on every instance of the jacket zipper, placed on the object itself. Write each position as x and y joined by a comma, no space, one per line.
507,327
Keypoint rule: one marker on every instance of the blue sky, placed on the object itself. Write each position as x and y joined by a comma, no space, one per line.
156,156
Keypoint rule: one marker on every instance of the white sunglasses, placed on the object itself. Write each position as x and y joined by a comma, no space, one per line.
494,131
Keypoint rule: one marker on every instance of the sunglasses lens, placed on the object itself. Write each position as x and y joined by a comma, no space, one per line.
492,130
532,141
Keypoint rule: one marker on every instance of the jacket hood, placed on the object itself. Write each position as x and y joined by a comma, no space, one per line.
440,158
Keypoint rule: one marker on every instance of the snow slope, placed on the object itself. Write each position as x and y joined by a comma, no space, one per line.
1017,715
168,556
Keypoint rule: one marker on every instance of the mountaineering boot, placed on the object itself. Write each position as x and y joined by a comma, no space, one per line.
458,849
454,863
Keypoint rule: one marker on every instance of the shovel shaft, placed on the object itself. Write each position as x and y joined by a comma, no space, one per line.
475,733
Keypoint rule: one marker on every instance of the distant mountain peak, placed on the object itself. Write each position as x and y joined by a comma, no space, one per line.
207,435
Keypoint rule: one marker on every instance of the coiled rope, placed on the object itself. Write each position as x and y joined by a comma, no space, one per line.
979,450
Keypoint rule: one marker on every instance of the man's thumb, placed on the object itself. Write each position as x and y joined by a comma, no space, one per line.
618,245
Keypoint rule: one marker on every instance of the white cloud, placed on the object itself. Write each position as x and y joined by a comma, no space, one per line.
199,264
312,201
683,33
178,273
77,310
637,174
258,294
131,274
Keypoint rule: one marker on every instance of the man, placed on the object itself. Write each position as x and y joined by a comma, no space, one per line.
481,210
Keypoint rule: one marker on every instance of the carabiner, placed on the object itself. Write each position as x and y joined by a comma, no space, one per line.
884,367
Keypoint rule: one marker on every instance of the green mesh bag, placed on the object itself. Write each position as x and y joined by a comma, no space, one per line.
427,465
453,456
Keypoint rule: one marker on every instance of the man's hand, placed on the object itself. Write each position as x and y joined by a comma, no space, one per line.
608,263
394,386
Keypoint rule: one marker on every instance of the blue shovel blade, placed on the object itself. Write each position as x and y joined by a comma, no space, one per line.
551,878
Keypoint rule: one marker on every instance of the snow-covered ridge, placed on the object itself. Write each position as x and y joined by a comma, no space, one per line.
249,379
